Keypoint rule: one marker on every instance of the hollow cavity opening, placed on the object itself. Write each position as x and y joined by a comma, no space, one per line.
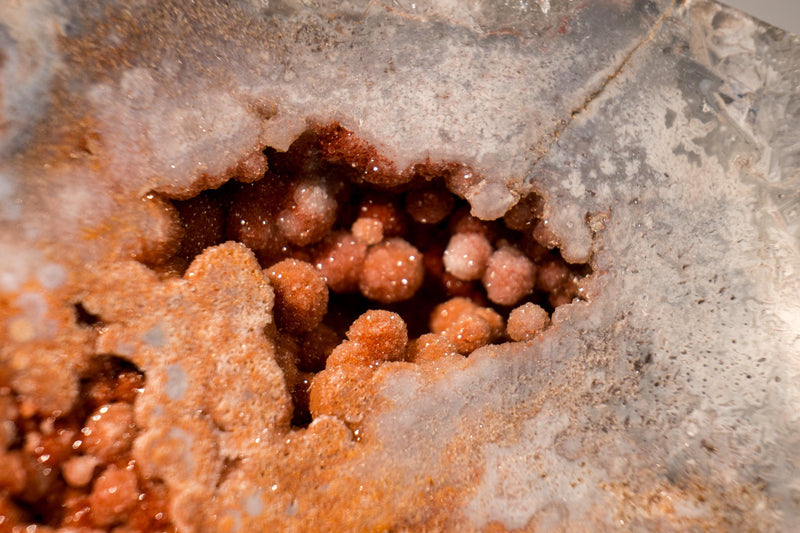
372,264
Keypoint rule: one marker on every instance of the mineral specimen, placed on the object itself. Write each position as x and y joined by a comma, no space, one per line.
390,265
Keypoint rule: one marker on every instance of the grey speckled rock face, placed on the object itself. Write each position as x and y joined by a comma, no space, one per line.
665,137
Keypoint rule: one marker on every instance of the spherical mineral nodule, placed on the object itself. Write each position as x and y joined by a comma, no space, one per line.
368,230
467,255
430,347
467,325
114,496
109,431
393,271
469,332
301,295
527,321
430,205
251,219
462,221
375,336
509,277
446,314
382,332
524,215
383,208
340,258
309,214
78,470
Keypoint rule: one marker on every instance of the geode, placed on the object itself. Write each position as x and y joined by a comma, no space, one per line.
174,354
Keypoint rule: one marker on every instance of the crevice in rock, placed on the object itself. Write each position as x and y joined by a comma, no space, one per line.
542,147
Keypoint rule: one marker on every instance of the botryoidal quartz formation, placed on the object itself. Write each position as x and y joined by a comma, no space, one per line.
290,294
377,267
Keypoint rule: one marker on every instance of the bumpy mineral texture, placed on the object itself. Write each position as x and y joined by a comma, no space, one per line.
398,266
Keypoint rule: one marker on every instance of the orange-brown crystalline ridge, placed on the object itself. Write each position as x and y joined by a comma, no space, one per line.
261,333
214,388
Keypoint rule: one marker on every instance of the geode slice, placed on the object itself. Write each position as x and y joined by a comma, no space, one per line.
392,265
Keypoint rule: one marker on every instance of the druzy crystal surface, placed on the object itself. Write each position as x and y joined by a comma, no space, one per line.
660,140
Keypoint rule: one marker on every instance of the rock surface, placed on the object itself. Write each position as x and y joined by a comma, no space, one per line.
663,136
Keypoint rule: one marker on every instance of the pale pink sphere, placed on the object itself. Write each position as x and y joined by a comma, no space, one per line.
467,255
509,277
